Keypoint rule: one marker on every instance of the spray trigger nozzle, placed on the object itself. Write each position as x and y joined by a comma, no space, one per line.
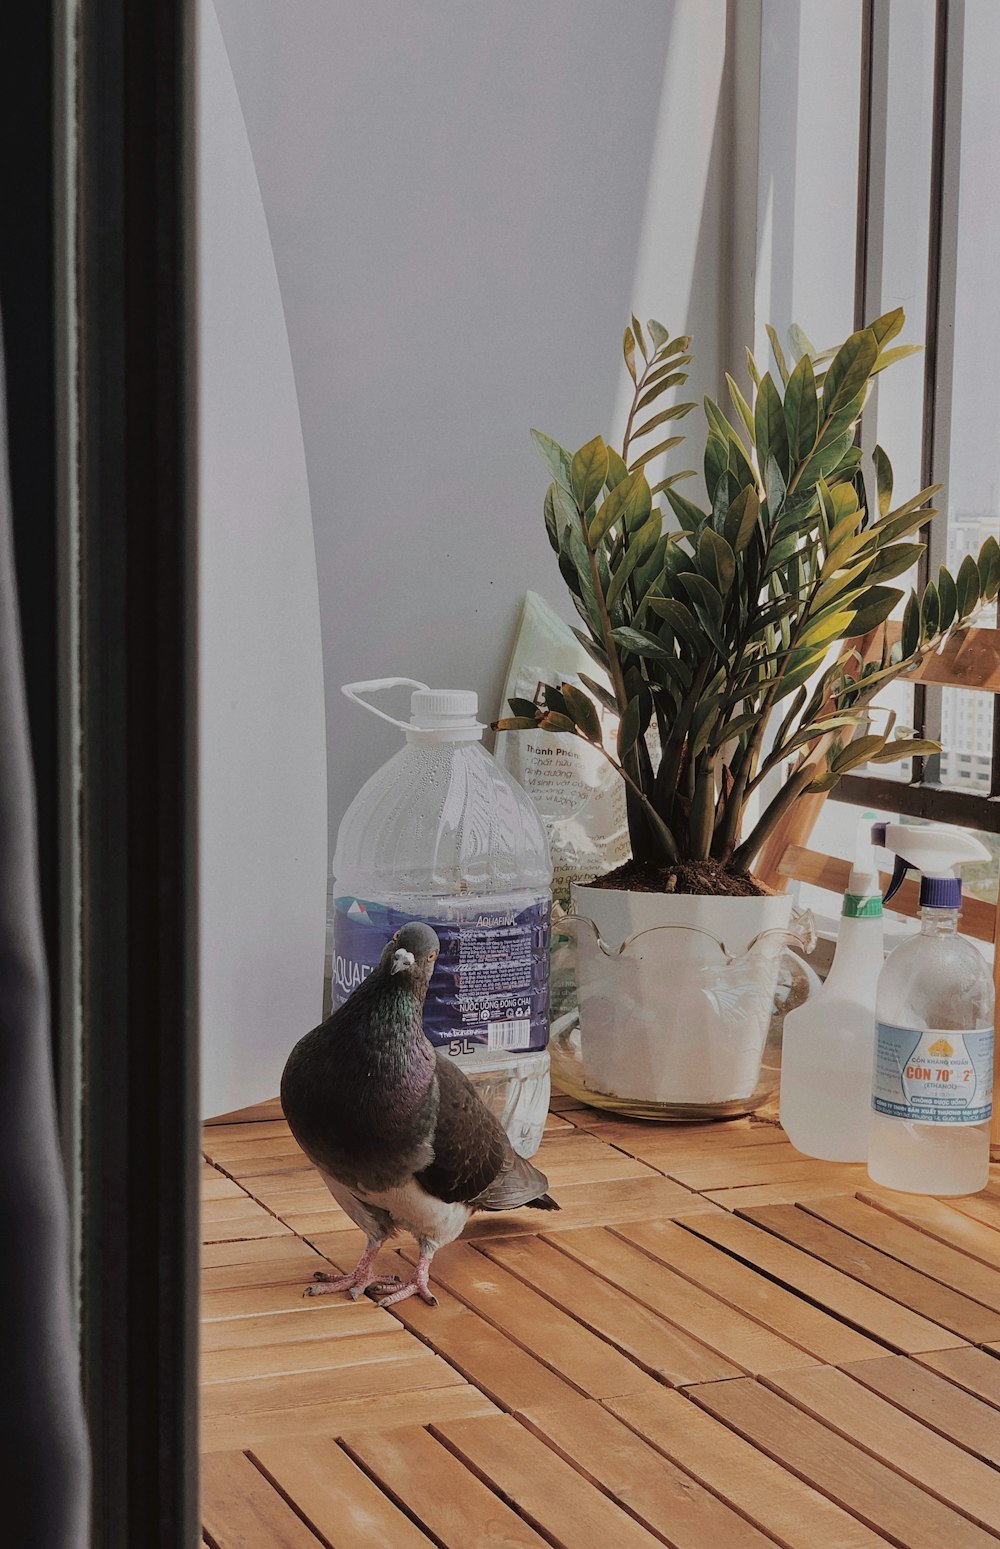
899,871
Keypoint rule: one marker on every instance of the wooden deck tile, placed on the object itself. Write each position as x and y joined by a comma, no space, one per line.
570,1511
240,1507
726,1330
303,1355
856,1304
733,1468
931,1398
440,1491
696,1351
911,1246
937,1218
336,1496
939,1303
977,1371
413,1406
740,1287
865,1486
663,1497
649,1340
925,1458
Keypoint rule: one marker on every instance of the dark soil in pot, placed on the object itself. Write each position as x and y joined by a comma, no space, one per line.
704,877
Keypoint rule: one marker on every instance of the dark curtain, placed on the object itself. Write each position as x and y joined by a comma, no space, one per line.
42,1437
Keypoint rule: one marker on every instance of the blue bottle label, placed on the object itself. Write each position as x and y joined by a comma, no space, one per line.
934,1077
490,988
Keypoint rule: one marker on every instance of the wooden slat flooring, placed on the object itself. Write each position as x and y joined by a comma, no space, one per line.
717,1344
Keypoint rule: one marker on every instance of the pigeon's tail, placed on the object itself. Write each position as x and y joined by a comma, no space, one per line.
543,1202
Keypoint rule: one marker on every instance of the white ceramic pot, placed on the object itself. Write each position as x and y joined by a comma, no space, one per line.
676,1016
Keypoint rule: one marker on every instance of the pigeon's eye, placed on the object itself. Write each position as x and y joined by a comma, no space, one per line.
431,956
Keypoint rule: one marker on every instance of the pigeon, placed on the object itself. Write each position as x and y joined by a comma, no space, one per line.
396,1129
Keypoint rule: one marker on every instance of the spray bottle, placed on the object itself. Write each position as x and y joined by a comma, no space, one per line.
933,1072
826,1052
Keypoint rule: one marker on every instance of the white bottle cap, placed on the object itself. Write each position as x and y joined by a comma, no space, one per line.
450,712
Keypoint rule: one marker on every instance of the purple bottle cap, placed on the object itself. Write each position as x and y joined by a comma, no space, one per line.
940,893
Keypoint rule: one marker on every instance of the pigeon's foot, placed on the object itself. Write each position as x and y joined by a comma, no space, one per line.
356,1283
418,1286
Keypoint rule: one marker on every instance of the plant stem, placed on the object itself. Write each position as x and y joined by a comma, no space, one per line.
790,792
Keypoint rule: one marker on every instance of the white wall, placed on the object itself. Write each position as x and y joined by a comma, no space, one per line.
262,746
460,202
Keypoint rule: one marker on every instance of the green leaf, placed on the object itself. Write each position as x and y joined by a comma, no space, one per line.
523,707
778,352
588,471
740,404
551,523
775,488
628,731
516,723
553,721
678,617
674,478
617,471
831,626
582,710
639,338
799,343
691,517
801,410
858,751
824,462
676,411
639,643
630,501
655,451
883,480
770,432
988,566
742,519
629,352
717,560
849,371
638,547
888,326
895,560
906,747
660,386
947,598
873,607
910,634
600,693
659,335
892,357
716,463
967,586
752,368
558,459
703,594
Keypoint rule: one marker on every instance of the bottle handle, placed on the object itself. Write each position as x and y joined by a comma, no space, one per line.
353,691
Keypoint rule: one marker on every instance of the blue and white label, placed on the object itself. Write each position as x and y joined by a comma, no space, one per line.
490,987
934,1077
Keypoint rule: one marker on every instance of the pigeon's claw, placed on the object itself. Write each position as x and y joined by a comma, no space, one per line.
356,1282
418,1286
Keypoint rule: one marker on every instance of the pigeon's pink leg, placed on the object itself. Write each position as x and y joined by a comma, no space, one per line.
356,1282
418,1286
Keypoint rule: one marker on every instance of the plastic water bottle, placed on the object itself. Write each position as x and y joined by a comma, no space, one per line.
827,1043
933,1069
442,834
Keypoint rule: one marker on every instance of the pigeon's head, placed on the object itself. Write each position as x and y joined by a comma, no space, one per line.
412,953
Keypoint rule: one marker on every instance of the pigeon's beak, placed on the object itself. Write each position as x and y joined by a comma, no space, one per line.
402,959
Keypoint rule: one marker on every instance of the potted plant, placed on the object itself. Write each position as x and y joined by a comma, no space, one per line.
741,640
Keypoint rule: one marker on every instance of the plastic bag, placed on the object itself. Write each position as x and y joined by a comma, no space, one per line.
579,796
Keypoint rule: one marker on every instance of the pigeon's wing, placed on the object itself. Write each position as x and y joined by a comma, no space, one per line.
473,1160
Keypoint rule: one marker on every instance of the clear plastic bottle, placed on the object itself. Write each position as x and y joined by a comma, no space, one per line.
441,833
932,1080
827,1043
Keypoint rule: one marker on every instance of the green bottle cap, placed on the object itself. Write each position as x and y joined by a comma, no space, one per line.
862,906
